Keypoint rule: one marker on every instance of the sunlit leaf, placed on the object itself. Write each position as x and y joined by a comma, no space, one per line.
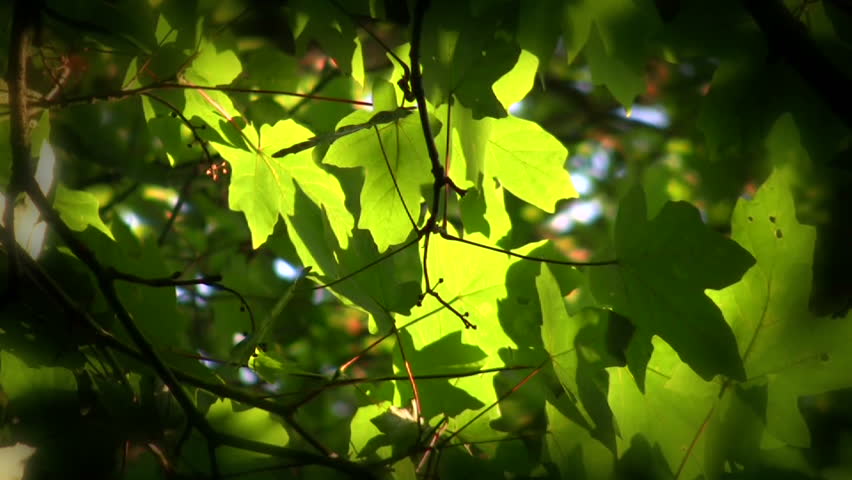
19,379
529,162
781,343
263,187
398,159
466,61
79,209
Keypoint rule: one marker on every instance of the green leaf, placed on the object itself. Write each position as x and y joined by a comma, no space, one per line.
484,211
271,69
573,450
787,353
404,470
699,427
399,430
474,136
19,379
624,82
617,35
230,417
369,290
517,82
466,61
539,29
781,343
730,114
273,368
664,267
497,291
529,162
125,28
153,309
398,158
79,209
670,419
328,25
242,352
559,333
215,64
263,187
380,118
363,430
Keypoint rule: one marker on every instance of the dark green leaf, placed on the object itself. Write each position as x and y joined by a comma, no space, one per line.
664,267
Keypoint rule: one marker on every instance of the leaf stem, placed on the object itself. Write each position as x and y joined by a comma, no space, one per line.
495,403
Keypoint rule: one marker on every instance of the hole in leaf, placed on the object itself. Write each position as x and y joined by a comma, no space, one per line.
750,218
772,219
778,234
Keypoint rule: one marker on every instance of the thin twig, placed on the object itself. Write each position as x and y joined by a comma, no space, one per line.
417,405
192,128
510,253
213,281
495,403
368,265
173,214
119,197
321,83
170,281
439,174
123,94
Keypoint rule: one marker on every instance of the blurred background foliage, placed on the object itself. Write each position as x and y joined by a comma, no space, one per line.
717,109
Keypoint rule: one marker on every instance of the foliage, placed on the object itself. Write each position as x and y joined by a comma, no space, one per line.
345,238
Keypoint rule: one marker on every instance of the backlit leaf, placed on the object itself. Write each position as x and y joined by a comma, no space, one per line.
664,267
79,209
465,61
529,162
781,343
263,187
383,212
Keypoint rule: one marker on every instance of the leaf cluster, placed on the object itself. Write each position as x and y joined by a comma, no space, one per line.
325,238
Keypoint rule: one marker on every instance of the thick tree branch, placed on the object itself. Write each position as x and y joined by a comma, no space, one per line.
438,173
420,97
24,22
23,25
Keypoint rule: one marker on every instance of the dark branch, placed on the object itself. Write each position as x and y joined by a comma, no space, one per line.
24,20
23,25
